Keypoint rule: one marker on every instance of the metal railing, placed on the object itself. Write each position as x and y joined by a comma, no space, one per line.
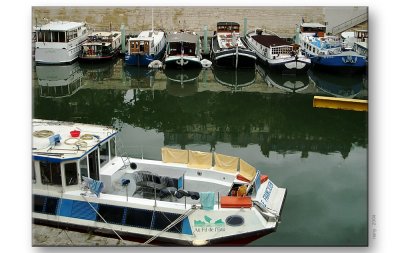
349,23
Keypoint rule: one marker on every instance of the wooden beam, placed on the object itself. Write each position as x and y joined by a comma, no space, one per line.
340,103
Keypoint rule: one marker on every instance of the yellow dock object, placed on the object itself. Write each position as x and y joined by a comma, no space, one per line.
340,103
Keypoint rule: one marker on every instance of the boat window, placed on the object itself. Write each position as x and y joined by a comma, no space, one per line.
138,218
50,173
162,220
83,164
71,173
47,36
33,173
40,36
112,148
112,214
43,204
61,36
54,36
94,165
104,154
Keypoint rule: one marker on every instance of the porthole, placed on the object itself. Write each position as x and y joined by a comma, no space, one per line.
234,220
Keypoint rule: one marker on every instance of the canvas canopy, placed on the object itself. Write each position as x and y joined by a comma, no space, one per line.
226,163
247,171
170,155
201,160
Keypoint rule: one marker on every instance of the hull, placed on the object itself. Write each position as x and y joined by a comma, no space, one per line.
245,58
55,55
341,62
142,59
182,62
98,58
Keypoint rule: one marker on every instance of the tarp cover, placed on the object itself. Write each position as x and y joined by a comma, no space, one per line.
170,155
247,171
200,160
226,163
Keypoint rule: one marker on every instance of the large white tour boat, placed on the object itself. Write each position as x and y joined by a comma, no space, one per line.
59,42
187,198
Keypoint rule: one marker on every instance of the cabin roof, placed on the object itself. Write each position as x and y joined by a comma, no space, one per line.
60,26
227,23
185,37
312,25
270,40
68,148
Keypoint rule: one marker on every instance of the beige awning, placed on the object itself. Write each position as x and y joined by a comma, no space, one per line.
170,155
247,171
200,160
226,163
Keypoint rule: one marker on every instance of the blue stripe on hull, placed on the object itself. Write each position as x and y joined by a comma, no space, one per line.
339,61
142,59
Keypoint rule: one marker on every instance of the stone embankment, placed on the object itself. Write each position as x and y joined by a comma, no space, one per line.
281,20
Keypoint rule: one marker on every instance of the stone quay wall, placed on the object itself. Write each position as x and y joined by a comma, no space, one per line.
281,20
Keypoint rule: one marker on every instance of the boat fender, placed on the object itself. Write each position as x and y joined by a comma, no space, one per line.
156,64
200,242
206,63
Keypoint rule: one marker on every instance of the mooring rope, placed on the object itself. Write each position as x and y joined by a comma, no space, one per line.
103,219
179,219
43,133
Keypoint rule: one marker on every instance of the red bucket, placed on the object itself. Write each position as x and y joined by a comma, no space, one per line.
75,133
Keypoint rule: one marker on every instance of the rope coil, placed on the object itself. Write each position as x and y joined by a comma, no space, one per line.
43,133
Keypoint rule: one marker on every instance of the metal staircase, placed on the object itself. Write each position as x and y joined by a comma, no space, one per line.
349,24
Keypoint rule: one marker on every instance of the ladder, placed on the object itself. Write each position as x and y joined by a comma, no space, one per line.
121,152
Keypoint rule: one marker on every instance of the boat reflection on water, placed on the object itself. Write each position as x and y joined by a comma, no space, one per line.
288,83
58,81
236,79
98,71
344,86
182,82
139,77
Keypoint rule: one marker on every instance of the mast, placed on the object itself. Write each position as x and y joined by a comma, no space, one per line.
152,20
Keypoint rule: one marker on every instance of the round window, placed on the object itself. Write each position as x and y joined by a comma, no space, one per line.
234,220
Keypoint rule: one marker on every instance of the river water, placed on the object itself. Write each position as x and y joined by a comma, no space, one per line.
319,155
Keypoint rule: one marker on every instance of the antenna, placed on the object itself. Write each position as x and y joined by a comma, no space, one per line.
152,21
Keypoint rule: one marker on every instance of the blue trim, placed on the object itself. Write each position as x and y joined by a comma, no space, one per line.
82,210
65,207
186,229
142,59
59,160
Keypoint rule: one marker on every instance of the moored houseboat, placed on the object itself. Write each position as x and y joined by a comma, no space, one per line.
183,50
59,42
227,48
276,53
188,198
326,51
101,46
145,48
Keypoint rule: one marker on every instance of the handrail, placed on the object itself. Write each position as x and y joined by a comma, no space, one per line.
349,23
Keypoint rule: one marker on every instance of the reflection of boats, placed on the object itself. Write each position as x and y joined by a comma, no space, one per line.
183,50
289,83
147,47
347,86
98,71
101,46
139,77
182,82
277,53
234,78
59,42
326,51
227,48
59,81
187,198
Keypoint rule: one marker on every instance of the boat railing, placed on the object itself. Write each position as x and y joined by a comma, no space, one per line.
142,152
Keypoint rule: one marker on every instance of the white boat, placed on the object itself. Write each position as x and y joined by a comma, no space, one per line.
227,48
101,46
187,198
145,48
276,53
326,51
183,50
59,42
